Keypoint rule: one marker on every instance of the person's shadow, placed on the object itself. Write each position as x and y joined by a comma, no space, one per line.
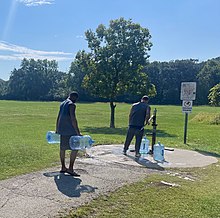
69,185
146,163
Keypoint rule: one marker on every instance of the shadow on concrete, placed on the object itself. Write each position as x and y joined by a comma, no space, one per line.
69,185
206,153
146,163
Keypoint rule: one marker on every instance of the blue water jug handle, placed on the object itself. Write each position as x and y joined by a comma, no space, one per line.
91,142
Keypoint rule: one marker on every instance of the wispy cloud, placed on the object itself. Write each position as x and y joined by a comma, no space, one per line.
80,37
14,52
36,2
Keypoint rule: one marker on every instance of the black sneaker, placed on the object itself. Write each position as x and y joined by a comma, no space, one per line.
124,152
137,155
73,173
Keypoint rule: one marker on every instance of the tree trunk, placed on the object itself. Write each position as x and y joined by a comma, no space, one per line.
112,121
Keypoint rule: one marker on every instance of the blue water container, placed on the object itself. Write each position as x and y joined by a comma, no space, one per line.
52,137
158,152
144,148
80,142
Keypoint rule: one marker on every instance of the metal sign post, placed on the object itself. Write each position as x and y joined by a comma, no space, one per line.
188,94
186,108
154,124
185,127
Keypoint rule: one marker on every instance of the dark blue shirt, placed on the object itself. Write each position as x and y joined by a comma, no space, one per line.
138,114
65,126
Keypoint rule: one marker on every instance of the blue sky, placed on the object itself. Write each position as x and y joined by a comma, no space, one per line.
54,29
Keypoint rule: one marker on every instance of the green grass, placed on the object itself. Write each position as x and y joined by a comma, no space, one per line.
23,147
213,119
151,199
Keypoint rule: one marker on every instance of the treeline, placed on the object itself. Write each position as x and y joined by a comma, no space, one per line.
167,78
41,81
114,68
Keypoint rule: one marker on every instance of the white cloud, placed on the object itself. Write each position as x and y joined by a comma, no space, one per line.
14,52
80,37
36,2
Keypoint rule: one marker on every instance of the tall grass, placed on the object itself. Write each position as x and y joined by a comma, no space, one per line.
23,126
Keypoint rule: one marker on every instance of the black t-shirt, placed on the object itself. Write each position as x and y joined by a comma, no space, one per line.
65,126
138,114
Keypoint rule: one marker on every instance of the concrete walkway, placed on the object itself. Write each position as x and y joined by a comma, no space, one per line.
174,158
47,193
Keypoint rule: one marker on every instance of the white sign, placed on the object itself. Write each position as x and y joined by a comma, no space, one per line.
188,91
187,106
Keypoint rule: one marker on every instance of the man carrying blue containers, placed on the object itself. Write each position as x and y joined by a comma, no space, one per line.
67,126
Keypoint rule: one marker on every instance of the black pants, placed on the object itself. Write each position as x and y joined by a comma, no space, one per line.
132,131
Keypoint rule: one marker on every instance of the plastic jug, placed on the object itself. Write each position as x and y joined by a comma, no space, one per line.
80,142
52,137
158,152
144,148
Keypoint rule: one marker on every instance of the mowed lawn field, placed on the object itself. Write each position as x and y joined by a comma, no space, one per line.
23,146
23,149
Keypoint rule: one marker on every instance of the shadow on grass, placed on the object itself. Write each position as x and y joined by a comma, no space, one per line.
122,131
206,153
68,185
163,134
105,130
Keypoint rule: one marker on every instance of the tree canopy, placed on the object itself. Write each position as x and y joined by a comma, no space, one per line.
114,65
214,95
34,80
114,68
208,77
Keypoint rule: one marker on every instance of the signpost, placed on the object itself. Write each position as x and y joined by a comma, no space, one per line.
188,94
188,91
187,106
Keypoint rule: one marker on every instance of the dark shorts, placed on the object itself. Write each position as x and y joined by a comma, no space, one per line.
64,142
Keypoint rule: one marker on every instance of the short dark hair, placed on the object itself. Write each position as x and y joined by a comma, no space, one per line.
145,98
74,95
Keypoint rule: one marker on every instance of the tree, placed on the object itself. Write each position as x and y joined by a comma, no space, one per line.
114,65
214,95
3,88
167,78
77,73
34,80
208,77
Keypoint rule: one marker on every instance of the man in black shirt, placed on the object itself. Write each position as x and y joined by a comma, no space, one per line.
67,126
138,118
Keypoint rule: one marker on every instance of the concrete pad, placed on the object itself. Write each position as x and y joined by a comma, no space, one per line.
46,193
178,158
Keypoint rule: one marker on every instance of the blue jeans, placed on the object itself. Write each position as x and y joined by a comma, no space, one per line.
138,133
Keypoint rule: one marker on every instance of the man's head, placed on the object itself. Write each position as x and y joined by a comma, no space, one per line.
73,96
145,98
